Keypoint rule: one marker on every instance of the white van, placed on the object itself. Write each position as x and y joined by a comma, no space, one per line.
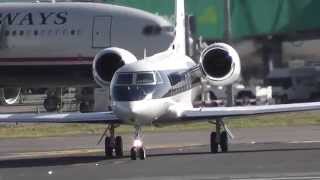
294,85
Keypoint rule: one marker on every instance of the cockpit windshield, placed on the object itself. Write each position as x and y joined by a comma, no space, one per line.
135,86
124,78
145,78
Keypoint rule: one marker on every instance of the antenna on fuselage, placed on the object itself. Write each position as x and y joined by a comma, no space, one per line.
53,1
144,53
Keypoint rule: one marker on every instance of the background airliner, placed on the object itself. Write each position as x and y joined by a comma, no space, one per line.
159,90
54,44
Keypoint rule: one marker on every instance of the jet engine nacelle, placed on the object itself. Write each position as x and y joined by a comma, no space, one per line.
9,95
108,61
220,64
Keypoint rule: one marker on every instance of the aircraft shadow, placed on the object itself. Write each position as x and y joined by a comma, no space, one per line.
236,151
61,161
275,150
49,161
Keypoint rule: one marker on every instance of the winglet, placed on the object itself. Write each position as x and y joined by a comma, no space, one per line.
179,43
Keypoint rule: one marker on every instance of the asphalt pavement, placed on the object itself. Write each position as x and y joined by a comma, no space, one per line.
255,154
244,161
281,153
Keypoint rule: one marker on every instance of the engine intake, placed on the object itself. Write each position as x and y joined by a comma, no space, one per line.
108,61
220,64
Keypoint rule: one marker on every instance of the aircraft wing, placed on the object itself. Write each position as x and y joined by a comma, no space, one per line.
208,113
96,117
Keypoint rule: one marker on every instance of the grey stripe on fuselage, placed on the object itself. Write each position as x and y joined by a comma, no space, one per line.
181,81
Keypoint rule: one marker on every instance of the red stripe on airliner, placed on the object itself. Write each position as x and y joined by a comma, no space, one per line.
46,61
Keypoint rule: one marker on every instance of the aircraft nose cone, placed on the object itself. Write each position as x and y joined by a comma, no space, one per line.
135,112
136,108
121,109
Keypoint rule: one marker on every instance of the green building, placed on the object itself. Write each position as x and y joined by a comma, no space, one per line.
249,17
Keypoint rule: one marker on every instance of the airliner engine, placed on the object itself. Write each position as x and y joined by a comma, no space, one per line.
9,95
220,64
106,63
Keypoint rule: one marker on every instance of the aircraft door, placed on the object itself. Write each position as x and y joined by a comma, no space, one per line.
101,34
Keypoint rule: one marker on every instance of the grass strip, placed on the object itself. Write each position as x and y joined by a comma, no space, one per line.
54,130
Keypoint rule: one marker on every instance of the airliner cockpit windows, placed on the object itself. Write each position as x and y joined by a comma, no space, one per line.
145,78
125,78
135,86
151,30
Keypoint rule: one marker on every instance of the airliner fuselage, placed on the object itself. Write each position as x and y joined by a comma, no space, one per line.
55,43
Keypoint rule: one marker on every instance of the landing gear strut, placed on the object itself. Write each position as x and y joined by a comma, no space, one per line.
138,149
53,100
113,144
219,138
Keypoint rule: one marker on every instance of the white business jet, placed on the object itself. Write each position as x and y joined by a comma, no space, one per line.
159,90
54,44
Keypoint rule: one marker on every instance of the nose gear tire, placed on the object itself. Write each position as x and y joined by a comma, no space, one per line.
142,153
213,143
133,153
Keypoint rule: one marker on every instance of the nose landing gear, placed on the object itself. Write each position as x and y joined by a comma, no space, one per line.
138,149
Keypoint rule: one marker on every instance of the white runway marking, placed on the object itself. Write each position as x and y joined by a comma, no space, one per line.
302,142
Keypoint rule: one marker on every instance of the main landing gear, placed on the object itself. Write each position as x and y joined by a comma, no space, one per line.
113,144
219,138
53,100
138,149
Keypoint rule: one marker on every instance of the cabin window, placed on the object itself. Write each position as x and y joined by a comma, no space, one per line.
42,32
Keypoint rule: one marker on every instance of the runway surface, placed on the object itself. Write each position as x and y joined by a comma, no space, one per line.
244,161
263,153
